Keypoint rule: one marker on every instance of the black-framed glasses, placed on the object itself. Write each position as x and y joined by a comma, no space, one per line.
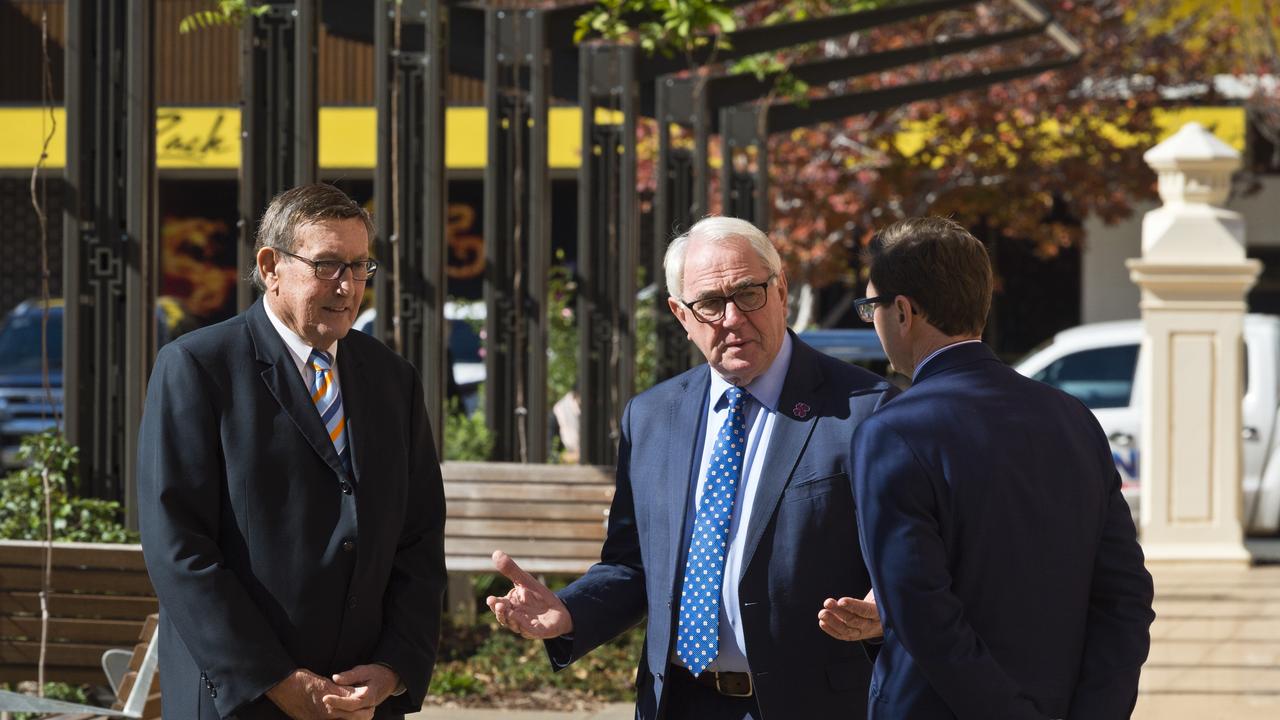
747,298
361,270
866,307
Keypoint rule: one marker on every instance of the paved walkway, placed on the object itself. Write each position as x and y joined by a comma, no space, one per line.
1215,653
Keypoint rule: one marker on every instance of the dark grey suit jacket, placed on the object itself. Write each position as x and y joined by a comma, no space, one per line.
802,542
264,557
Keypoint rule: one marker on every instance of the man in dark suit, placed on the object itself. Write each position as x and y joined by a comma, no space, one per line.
733,519
290,497
1005,564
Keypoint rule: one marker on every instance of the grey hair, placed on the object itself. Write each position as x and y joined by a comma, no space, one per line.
716,229
300,206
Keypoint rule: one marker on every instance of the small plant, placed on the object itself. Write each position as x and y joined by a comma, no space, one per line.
52,691
75,519
465,436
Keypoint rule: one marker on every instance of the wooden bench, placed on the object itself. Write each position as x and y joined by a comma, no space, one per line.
132,700
100,597
550,518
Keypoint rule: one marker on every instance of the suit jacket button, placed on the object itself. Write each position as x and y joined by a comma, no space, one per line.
348,545
346,487
213,692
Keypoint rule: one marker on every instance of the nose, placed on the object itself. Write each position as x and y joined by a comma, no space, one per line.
733,317
346,281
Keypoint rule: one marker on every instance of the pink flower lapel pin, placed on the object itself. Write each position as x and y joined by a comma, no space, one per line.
801,410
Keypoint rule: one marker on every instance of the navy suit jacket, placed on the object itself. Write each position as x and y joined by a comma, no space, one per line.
263,557
1006,565
802,543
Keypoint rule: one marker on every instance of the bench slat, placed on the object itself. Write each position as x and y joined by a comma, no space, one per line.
76,675
92,581
30,553
498,492
122,633
537,566
532,530
67,605
522,473
557,549
68,654
525,510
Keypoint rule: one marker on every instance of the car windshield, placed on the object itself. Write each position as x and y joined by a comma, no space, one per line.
20,343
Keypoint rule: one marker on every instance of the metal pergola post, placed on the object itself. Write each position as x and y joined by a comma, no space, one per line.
110,264
608,247
410,220
744,191
517,230
278,117
680,199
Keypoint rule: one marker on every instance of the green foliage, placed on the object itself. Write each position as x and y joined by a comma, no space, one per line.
52,691
664,26
227,12
562,331
486,660
465,436
75,519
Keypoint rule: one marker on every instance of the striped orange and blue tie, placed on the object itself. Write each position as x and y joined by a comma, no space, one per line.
328,402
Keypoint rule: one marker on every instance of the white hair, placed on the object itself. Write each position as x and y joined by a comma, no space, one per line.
717,229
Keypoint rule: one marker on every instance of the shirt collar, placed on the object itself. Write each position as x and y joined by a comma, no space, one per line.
938,352
766,388
298,347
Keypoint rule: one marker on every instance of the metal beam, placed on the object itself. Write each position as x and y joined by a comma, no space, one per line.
789,116
110,241
517,231
278,116
608,247
411,210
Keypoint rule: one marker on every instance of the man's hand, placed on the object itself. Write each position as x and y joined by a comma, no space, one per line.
849,619
366,687
530,609
301,695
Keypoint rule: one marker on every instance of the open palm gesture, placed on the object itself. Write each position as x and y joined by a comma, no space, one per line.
529,609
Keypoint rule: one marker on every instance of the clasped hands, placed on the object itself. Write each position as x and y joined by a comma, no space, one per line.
350,695
532,611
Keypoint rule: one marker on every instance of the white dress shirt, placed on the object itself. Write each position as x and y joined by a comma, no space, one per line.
301,351
761,415
938,352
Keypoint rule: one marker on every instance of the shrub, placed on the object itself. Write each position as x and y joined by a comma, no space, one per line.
75,519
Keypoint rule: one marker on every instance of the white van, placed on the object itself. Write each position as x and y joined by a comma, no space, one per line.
1098,363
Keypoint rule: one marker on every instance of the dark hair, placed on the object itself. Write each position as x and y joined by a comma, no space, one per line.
939,265
300,206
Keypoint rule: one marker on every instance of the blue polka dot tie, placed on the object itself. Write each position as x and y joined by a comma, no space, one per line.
697,635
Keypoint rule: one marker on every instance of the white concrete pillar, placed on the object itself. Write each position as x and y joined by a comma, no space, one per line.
1194,276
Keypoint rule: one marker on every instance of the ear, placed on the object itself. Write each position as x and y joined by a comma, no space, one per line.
266,259
681,312
902,306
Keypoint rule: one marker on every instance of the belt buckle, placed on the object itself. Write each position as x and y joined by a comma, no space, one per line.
722,691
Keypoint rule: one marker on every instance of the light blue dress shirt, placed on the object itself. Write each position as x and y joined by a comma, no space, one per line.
761,410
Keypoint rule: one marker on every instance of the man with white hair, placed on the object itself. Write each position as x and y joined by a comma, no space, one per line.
733,521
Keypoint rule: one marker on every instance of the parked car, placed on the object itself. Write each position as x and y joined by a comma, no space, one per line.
859,346
25,407
1101,364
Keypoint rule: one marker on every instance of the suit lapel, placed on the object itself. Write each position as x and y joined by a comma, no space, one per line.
282,379
684,418
791,429
354,398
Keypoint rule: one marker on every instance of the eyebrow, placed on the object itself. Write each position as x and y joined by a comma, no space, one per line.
740,286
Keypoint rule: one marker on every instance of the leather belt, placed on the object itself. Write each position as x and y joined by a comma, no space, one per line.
731,684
